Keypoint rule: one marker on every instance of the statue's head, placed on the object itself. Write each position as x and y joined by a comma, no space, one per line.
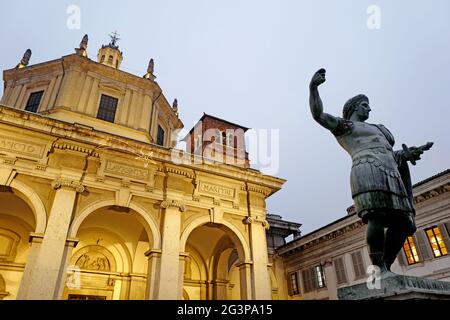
358,105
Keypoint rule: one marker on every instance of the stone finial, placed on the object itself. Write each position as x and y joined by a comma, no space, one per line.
150,70
151,66
25,60
82,50
84,42
175,106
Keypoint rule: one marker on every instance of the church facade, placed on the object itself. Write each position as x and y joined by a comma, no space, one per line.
96,203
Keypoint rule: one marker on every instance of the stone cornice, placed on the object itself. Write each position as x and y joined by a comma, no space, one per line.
302,243
262,183
64,145
177,171
432,193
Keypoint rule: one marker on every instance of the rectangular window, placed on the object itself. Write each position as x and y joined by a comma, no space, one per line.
107,109
33,101
339,268
313,278
293,284
309,283
436,241
160,137
411,251
358,265
320,277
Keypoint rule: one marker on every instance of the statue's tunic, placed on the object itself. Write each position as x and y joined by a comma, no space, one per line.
376,184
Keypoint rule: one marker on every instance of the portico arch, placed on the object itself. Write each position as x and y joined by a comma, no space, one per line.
149,223
30,197
231,230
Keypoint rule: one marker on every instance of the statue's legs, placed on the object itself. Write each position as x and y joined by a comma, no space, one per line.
376,242
400,228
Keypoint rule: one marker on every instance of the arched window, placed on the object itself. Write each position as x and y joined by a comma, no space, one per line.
230,139
218,138
102,59
110,59
224,138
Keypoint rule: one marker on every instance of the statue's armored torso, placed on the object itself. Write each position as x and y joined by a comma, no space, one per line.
375,179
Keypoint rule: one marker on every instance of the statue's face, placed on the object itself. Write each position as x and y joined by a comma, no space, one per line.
363,110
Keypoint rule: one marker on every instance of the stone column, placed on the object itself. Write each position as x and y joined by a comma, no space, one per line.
42,276
245,270
183,258
35,246
258,246
220,289
153,273
169,276
70,244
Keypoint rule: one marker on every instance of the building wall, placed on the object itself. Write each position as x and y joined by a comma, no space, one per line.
346,237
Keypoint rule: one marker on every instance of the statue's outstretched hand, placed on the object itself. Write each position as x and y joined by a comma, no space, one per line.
413,154
318,78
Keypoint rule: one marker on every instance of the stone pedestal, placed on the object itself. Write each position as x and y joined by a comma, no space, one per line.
397,287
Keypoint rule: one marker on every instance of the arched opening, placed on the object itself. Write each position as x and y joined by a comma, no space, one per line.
211,268
109,262
17,221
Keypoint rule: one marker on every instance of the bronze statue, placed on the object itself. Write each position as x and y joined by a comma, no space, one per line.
379,179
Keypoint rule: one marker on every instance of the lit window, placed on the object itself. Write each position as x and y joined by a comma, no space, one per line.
436,241
33,101
107,109
160,137
293,283
411,251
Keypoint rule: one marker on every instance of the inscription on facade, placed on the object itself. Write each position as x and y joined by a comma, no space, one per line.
216,190
21,147
126,170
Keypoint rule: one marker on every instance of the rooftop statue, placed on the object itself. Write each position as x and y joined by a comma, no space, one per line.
380,180
82,50
25,60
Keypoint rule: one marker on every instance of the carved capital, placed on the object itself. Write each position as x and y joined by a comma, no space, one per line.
173,204
265,224
61,182
248,220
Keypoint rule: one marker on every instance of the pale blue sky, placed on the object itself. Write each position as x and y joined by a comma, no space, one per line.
250,62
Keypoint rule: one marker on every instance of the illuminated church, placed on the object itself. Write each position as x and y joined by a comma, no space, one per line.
96,203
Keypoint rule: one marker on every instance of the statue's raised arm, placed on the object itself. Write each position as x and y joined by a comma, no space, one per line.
324,119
